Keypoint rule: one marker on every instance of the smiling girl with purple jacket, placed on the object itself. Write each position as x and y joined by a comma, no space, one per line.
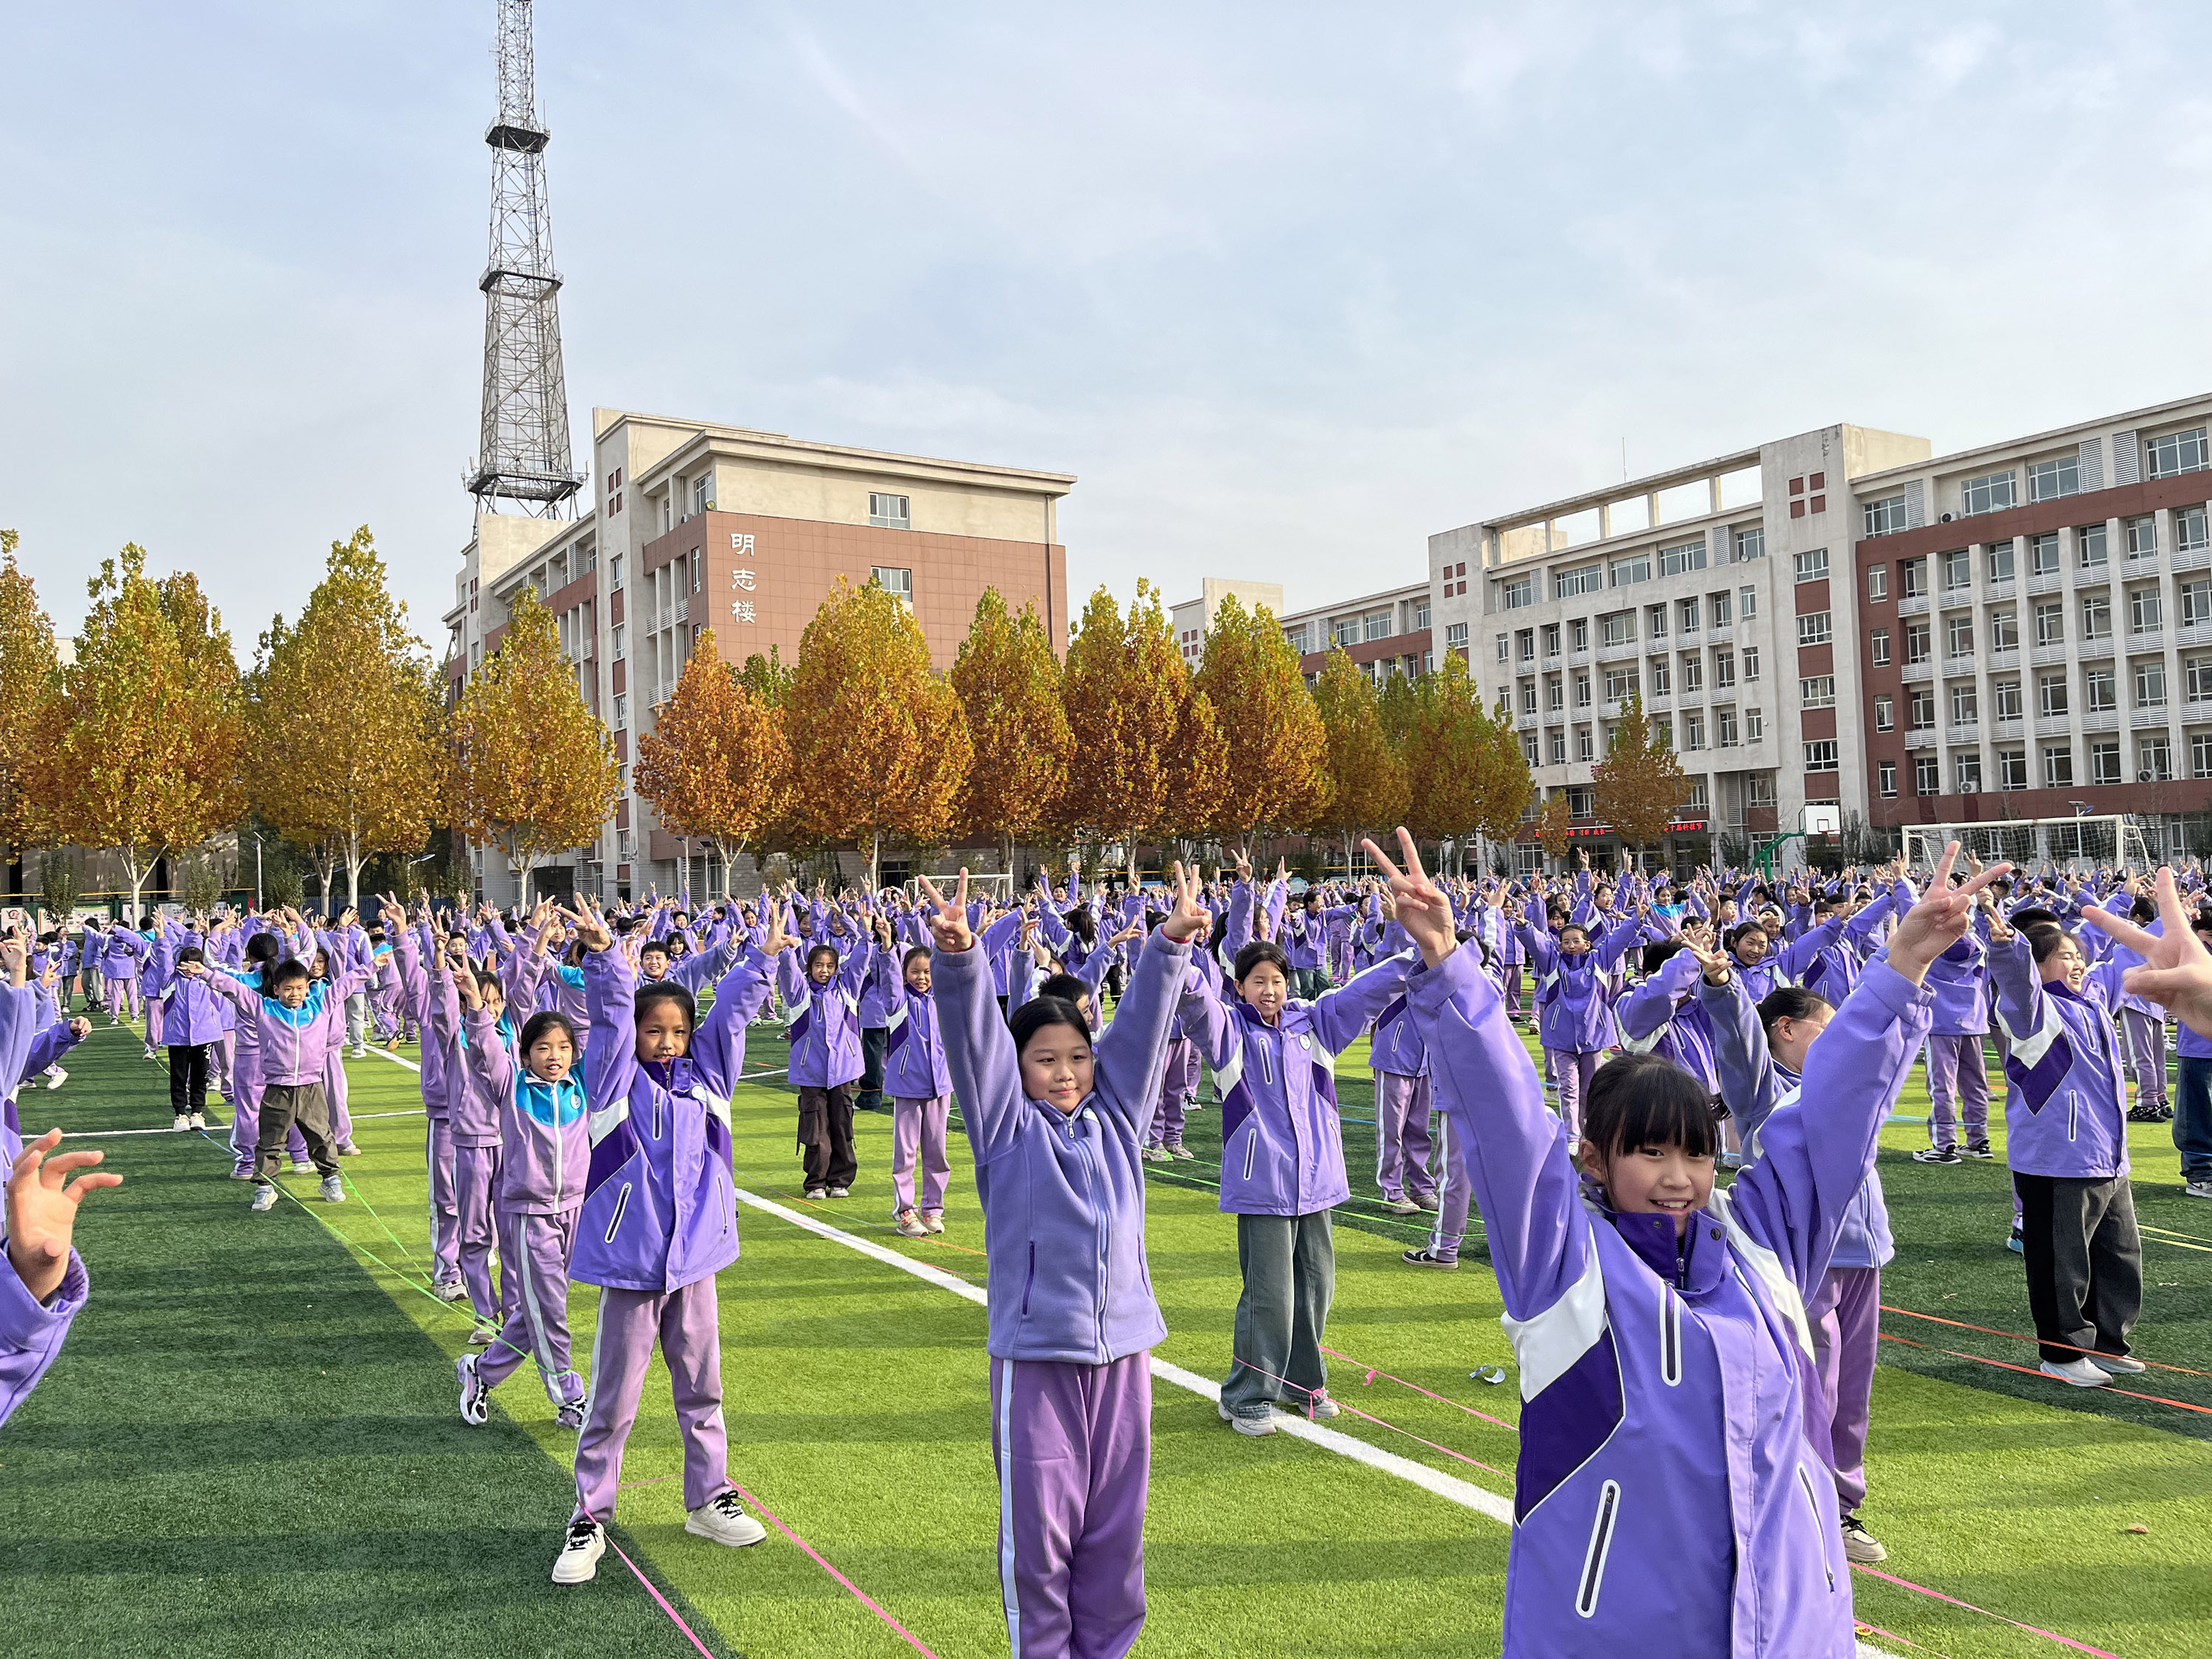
1057,1128
1666,1501
659,1220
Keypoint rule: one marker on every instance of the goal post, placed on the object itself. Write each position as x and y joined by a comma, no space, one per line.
2075,844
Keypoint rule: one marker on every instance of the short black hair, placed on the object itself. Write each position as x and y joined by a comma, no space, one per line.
1257,951
2033,915
1789,1002
1065,987
1659,953
285,972
1647,1100
652,993
191,953
2045,937
543,1021
1038,1012
913,953
1735,934
660,945
819,951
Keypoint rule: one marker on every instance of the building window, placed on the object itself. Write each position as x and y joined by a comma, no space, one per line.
2104,762
1550,639
1927,775
1528,750
1920,705
2058,768
2100,690
1578,633
2043,554
1296,638
2050,624
2050,695
1958,570
1636,568
1877,584
1529,697
1662,731
1693,731
2000,561
1619,629
2200,756
2146,610
621,631
2187,529
1966,772
2012,768
1586,579
1582,690
1812,566
1686,612
1558,749
1347,631
1421,616
2004,630
1750,662
1693,673
1820,692
613,572
2150,684
1917,648
1517,593
1377,625
1459,629
1661,684
899,583
1746,603
888,511
1723,671
1583,749
2004,700
1878,644
1720,604
1724,731
1886,779
1622,682
1455,639
2142,537
1555,694
1990,493
2199,670
1820,756
703,488
1754,725
1914,574
2156,757
2096,616
1761,793
2176,453
1885,709
1964,711
1682,558
1750,545
622,710
1884,516
1654,621
1814,630
1581,802
1958,636
2048,480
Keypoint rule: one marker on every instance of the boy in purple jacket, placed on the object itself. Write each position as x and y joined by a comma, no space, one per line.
659,1221
1057,1129
1667,1502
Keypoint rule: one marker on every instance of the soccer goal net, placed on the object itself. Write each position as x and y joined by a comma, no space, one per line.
2074,844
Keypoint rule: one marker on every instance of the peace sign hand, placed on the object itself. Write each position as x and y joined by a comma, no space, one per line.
1188,917
949,925
1423,910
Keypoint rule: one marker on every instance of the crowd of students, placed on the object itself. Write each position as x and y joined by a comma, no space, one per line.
1695,1357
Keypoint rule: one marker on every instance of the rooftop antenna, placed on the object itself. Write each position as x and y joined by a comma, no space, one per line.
522,449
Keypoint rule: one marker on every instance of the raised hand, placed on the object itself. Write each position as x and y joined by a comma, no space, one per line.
1189,918
1940,919
42,1205
1422,907
948,923
590,923
2176,969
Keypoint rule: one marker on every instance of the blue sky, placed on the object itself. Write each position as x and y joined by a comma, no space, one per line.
1289,287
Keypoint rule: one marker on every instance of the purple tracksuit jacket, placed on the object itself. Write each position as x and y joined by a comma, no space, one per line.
293,1044
2066,1107
546,1139
191,1012
825,1019
1574,1006
1667,1501
660,1208
1663,1016
31,1332
914,1050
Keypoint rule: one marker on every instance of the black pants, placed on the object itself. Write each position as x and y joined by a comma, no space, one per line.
871,1071
188,1076
826,1136
283,1105
2084,1263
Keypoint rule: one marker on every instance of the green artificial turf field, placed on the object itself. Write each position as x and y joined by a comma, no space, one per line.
249,1444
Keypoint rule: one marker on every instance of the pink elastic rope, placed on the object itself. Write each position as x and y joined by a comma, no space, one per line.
1376,1421
651,1589
1374,1371
2033,1629
864,1598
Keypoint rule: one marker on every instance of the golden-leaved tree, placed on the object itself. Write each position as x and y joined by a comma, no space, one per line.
344,713
1639,784
532,769
1447,750
141,737
1274,740
1507,787
1126,691
1363,782
1008,681
1555,821
880,745
715,766
26,673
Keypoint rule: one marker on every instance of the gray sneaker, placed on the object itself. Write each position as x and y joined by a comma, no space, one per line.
331,1191
1401,1205
1256,1426
1860,1545
264,1198
2198,1189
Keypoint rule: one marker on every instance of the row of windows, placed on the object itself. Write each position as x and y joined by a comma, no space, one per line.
2166,456
1628,682
1514,592
1727,730
1619,627
2091,552
2146,610
1360,629
2053,694
2154,764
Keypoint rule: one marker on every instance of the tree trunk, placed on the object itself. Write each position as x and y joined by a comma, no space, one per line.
355,859
136,874
875,859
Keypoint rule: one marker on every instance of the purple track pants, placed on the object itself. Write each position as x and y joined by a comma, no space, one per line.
1957,1087
1072,1446
1401,1135
445,1213
1845,1314
918,1129
533,1255
1457,1191
687,1327
1575,1071
1178,1089
2146,1050
476,1178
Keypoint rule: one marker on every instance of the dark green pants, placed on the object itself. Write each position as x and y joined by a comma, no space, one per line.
1289,1264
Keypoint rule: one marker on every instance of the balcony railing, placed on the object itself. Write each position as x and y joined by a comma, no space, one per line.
1579,658
1619,651
2101,719
1923,739
2193,558
2054,726
2049,581
2002,590
1924,670
2044,655
2009,659
2097,647
2152,638
1720,632
1958,664
1965,732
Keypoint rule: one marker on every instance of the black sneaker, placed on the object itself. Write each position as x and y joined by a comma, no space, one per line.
1937,1155
2143,1114
1981,1153
1426,1258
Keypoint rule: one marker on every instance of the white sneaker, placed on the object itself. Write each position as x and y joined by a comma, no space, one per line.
331,1191
724,1520
182,1122
2114,1364
841,1192
1255,1427
910,1225
1401,1205
1157,1155
303,1166
450,1290
474,1394
359,1053
2194,1189
2080,1373
579,1560
347,1149
933,1219
264,1198
198,1121
1321,1408
56,1076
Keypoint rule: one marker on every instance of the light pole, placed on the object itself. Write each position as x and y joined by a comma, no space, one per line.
256,873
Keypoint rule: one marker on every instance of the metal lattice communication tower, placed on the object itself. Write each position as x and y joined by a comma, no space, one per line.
522,454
